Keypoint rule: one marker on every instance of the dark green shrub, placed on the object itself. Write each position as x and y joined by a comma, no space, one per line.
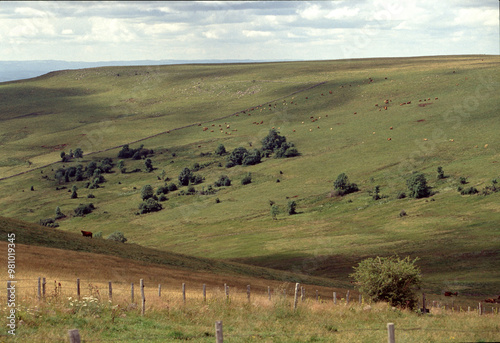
172,187
462,180
402,213
401,195
49,222
275,210
191,190
221,150
342,185
440,173
238,155
59,214
292,207
91,196
247,179
97,235
150,205
417,186
196,179
389,279
148,164
230,164
223,181
185,177
117,236
376,193
147,192
162,197
469,191
83,209
252,158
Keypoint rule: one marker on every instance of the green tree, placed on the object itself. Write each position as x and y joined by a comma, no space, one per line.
59,214
292,207
74,195
121,166
147,192
117,236
185,177
78,153
440,173
150,205
273,141
247,179
343,186
376,193
237,155
63,156
417,186
221,150
389,279
223,181
149,165
275,210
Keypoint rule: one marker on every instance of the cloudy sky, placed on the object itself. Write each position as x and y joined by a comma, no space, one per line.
258,30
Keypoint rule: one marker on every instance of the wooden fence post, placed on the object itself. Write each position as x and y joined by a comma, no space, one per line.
269,292
391,338
218,332
74,336
423,303
110,291
159,290
132,292
296,299
226,290
335,298
184,292
78,288
44,282
39,288
317,296
480,309
204,292
248,293
347,298
302,293
360,299
143,311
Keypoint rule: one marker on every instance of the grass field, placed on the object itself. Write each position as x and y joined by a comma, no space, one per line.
335,126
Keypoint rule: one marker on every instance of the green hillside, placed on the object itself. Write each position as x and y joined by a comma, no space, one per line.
327,109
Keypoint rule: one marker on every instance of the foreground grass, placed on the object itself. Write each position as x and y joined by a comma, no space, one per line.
168,319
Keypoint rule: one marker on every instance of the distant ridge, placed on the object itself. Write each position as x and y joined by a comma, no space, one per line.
19,70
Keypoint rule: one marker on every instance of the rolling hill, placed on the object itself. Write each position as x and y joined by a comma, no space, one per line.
377,120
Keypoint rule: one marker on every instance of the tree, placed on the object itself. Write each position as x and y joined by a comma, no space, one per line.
59,214
273,141
121,166
221,150
342,185
292,207
150,205
147,192
149,165
251,158
247,179
223,181
376,193
83,209
275,210
63,156
389,279
237,155
78,153
117,236
185,177
74,195
440,173
417,186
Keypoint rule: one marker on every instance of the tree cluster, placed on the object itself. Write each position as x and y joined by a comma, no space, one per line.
136,154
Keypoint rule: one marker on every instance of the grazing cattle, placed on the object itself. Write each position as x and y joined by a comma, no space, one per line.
449,294
409,102
376,105
386,101
491,301
355,112
435,98
389,139
385,107
330,92
391,128
86,234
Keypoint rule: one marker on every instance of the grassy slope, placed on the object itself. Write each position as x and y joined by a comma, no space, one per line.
456,237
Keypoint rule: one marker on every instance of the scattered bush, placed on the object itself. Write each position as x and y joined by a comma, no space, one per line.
417,186
247,179
117,236
91,196
83,209
136,154
150,205
462,180
97,235
491,189
342,185
237,156
389,279
221,150
223,181
292,207
376,193
275,210
172,187
469,191
274,143
440,173
147,192
402,213
49,222
59,214
401,195
148,164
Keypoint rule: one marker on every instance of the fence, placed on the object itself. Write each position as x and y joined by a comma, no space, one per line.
111,290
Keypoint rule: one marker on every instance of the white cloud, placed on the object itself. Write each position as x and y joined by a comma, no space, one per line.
67,32
342,13
253,33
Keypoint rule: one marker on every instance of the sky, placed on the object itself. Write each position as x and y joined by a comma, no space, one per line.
255,30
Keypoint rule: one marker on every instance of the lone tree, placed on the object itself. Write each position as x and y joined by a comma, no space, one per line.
221,150
342,185
274,143
147,192
417,186
389,279
185,177
149,165
292,207
440,173
78,153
